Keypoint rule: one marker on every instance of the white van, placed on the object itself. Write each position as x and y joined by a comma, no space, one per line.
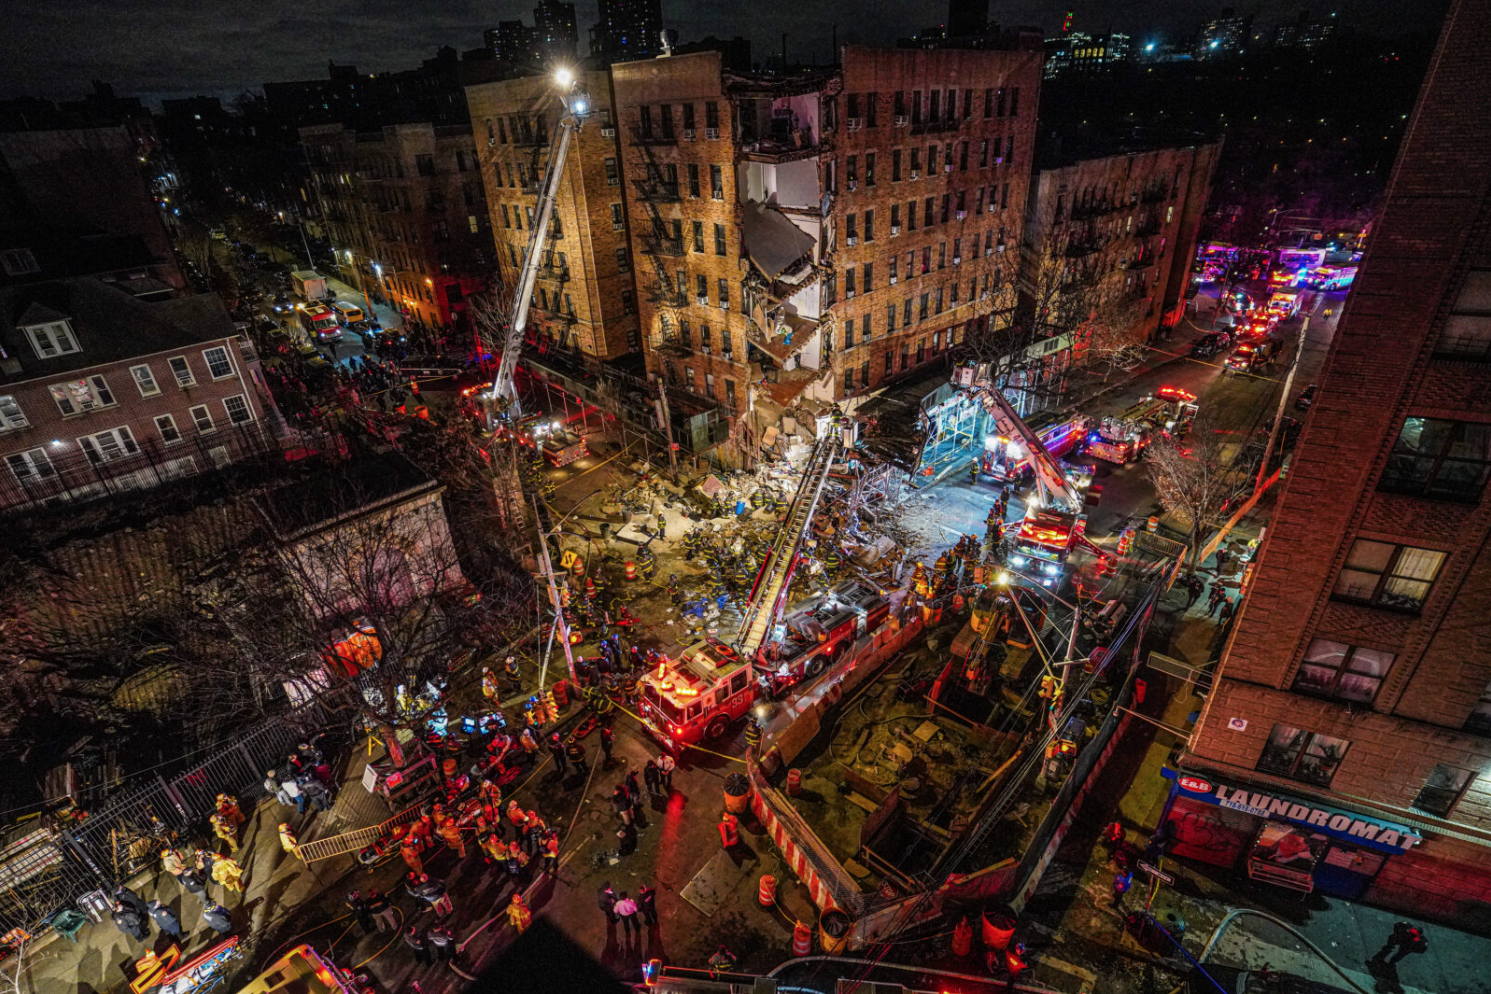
348,313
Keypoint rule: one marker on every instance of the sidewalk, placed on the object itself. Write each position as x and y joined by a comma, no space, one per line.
388,317
1072,918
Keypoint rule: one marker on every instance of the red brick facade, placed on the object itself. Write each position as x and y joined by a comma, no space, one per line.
1412,344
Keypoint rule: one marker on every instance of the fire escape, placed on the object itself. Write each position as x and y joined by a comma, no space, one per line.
658,244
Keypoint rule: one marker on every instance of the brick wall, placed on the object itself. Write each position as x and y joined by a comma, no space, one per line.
976,77
1435,225
582,273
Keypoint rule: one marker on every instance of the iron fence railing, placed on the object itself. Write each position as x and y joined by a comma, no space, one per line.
49,869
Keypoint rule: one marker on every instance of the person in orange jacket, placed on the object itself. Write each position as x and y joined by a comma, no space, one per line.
518,914
450,832
409,849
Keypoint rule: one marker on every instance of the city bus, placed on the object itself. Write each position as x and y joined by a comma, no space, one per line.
1331,277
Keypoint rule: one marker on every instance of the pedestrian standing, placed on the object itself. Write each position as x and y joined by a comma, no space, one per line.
409,849
165,920
1193,590
432,891
381,910
290,787
608,737
415,940
575,752
1123,880
131,900
608,903
1226,611
1223,558
217,917
518,914
451,833
634,791
130,922
665,767
273,786
626,910
1406,938
193,883
622,802
662,527
647,904
652,778
550,853
315,790
556,749
1214,600
442,943
359,908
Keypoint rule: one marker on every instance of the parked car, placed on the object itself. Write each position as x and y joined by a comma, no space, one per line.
1306,399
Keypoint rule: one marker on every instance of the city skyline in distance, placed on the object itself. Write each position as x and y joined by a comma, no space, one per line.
165,50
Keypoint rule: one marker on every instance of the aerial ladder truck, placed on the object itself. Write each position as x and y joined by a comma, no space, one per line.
713,683
577,108
1054,523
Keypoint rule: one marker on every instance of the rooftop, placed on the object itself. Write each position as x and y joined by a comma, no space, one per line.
355,487
108,324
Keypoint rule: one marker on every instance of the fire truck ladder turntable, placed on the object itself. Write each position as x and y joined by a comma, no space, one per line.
765,604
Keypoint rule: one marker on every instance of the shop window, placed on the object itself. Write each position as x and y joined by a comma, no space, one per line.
1344,672
1300,755
1435,458
1442,790
1397,577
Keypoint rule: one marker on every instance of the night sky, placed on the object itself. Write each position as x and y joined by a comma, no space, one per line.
165,48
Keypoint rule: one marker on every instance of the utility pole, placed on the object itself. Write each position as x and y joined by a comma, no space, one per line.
662,392
1273,435
547,565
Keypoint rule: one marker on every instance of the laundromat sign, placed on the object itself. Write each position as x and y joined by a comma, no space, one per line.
1346,826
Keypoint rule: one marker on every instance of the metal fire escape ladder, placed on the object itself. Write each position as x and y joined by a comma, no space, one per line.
664,294
503,385
766,602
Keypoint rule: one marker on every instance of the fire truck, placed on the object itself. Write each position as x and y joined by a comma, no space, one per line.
1054,523
1124,437
711,684
1006,459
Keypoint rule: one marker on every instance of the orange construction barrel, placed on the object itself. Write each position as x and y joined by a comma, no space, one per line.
631,570
1154,523
833,931
998,928
729,831
767,895
794,782
802,940
578,567
962,938
737,793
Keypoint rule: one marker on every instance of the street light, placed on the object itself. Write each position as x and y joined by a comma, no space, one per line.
564,77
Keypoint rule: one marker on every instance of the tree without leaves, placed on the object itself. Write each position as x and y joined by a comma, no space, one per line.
1195,480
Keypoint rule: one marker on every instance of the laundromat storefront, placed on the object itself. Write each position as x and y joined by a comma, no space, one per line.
1280,839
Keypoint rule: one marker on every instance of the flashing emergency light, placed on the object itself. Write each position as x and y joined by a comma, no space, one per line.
1018,561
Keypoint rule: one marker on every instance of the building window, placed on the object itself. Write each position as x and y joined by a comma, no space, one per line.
1341,671
698,229
218,363
18,262
1467,334
720,247
1480,718
712,114
716,183
849,380
628,302
613,174
895,165
106,446
424,164
694,180
239,412
688,378
50,340
1381,574
31,465
623,261
1306,756
181,370
1442,790
869,226
87,394
618,220
166,425
730,392
1434,458
11,415
202,418
709,385
723,287
869,169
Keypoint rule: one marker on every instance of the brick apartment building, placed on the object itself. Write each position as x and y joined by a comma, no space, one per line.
102,392
585,298
1108,244
407,201
1346,743
807,238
